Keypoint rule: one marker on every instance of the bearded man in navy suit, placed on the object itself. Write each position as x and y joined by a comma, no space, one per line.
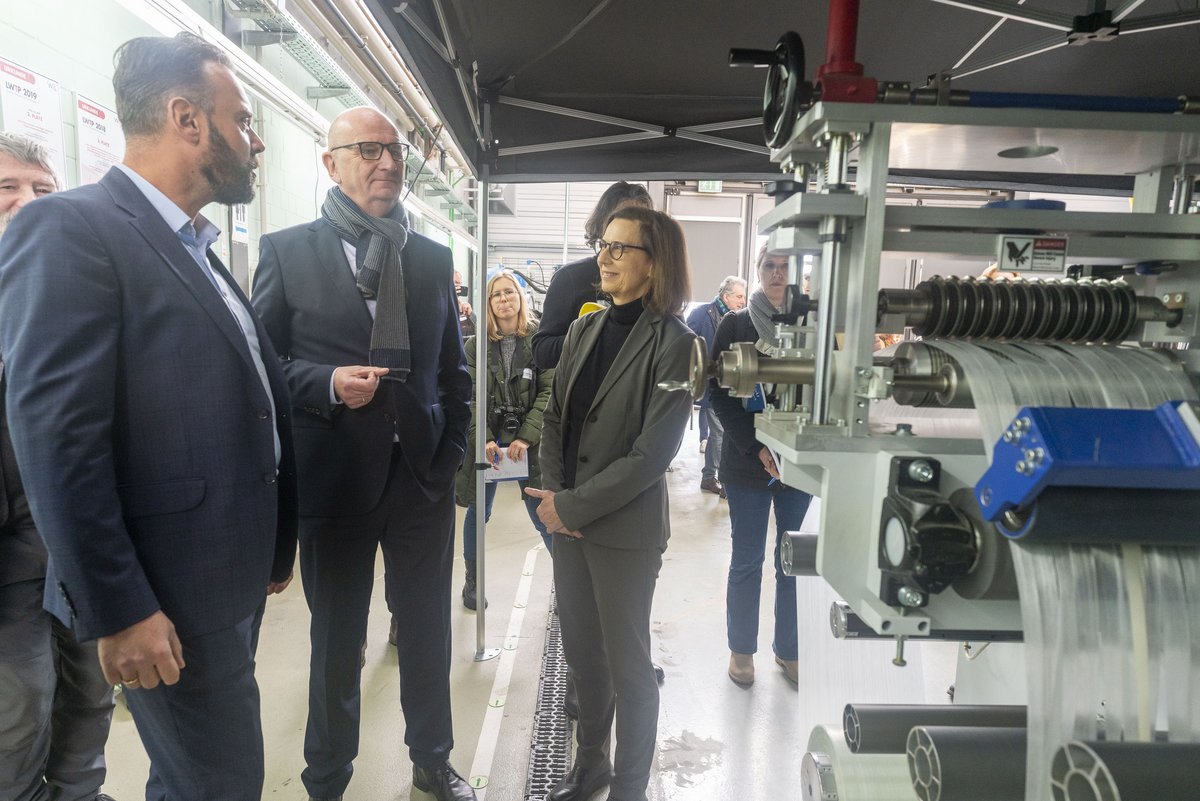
150,419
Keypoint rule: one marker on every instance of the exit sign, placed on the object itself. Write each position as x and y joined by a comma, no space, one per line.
710,186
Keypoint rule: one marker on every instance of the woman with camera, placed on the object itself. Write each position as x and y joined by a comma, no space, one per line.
610,432
517,392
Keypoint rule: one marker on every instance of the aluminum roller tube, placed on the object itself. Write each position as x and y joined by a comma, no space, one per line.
1113,771
964,763
798,553
884,728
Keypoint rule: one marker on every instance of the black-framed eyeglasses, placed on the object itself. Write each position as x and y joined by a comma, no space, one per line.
617,249
373,151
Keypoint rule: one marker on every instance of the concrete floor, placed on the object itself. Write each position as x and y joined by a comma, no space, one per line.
716,740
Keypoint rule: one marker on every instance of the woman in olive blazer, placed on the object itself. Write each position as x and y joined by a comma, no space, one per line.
608,437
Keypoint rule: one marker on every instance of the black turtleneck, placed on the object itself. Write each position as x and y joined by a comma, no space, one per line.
621,320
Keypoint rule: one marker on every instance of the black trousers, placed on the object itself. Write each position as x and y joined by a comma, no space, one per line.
604,599
337,567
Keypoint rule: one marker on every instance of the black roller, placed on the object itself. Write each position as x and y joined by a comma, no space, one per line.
964,763
1100,516
1103,771
1061,311
993,576
883,729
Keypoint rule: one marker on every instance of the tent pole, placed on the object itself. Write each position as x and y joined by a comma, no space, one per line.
478,293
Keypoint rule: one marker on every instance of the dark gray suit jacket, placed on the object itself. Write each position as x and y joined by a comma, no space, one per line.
142,430
318,321
632,432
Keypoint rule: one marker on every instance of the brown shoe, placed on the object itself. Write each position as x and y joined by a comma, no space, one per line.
791,669
713,486
741,669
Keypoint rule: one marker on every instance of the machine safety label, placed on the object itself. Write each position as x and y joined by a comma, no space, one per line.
1033,254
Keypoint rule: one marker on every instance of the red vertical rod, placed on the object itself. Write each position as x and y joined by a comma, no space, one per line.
841,40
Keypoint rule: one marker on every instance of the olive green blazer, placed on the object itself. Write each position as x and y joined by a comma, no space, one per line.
631,433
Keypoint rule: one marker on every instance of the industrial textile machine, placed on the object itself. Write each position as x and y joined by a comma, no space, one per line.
1084,448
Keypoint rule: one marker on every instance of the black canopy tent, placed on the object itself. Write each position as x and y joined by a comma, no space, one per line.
563,90
600,89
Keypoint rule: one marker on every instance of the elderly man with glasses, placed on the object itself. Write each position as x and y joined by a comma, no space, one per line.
363,312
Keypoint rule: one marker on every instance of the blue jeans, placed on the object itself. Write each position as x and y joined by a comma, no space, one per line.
715,437
531,505
749,510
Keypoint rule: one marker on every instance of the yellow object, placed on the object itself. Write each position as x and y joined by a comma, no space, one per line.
589,307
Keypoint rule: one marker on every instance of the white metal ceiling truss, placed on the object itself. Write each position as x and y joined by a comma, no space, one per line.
640,130
1064,24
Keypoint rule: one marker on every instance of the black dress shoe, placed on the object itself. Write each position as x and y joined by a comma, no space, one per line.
443,783
581,783
660,675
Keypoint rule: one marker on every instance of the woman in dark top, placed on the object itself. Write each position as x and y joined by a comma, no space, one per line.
751,480
608,436
517,393
575,284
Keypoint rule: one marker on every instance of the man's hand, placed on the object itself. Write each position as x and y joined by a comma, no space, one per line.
355,385
143,654
276,587
464,309
768,462
516,451
492,452
548,514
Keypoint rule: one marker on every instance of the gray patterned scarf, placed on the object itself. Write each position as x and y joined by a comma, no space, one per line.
761,312
379,274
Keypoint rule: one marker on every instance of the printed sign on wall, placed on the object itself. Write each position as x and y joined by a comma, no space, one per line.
29,106
101,141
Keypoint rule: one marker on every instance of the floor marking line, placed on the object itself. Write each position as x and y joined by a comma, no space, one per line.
489,732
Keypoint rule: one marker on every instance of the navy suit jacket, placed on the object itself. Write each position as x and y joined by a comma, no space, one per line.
318,321
143,434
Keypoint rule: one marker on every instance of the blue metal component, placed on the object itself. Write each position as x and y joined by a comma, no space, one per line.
1143,105
1044,447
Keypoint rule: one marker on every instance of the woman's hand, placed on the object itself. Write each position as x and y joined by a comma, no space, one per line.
548,514
491,452
768,462
516,451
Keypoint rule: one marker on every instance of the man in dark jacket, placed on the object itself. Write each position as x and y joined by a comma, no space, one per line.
578,283
363,311
55,704
703,320
151,421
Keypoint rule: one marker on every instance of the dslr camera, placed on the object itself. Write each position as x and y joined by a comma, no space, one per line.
508,422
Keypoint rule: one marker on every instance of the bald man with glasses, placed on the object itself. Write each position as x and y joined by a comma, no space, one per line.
363,312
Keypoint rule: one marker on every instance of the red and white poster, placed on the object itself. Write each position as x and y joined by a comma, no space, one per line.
29,106
101,141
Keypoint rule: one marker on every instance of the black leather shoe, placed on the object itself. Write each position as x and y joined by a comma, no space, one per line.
443,783
393,631
660,675
581,783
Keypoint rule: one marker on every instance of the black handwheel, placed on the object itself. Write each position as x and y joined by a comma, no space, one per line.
786,90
